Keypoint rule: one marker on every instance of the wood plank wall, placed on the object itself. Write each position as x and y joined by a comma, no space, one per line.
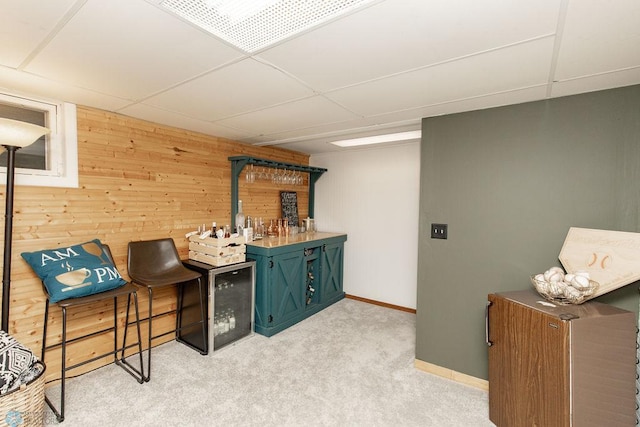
137,181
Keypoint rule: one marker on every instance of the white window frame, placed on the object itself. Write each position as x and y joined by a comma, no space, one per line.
62,144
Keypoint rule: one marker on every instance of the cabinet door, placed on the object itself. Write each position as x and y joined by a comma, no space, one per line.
528,366
263,295
331,272
287,280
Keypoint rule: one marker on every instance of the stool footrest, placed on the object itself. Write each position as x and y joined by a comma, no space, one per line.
119,360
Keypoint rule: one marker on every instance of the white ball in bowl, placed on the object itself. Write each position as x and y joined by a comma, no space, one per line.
580,283
583,274
556,277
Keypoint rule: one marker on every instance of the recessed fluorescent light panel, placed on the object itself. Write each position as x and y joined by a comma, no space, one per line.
379,139
252,25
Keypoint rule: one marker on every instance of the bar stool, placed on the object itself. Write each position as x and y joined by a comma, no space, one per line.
154,264
130,291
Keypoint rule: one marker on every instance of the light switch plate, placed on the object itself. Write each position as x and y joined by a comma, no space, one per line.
438,231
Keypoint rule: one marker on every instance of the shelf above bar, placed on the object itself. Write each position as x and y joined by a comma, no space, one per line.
239,162
242,161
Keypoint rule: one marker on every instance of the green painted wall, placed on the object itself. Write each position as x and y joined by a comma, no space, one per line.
510,181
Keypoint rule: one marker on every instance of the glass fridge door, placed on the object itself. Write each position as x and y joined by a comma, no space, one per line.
232,306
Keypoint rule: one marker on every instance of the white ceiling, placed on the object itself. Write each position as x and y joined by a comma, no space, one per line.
379,69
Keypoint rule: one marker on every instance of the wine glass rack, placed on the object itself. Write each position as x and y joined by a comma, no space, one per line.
239,162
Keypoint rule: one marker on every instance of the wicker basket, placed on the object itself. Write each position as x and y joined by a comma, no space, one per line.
557,293
24,406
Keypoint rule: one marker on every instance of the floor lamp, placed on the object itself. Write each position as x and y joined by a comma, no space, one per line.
14,135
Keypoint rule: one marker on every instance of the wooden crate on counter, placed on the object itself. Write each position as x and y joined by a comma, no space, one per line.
217,252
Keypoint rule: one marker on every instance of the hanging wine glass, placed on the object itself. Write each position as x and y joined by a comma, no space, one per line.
250,175
263,174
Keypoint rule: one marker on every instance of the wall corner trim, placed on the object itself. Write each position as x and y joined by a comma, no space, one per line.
451,375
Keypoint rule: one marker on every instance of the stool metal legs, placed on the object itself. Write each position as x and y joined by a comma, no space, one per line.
122,362
138,374
203,320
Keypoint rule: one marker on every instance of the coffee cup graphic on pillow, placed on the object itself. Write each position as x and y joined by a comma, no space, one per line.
74,279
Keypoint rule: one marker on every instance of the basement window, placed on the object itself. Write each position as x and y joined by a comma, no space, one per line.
51,161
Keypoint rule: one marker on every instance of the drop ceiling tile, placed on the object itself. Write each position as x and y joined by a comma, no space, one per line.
323,145
169,118
502,70
395,35
148,51
598,82
399,121
519,96
352,128
341,133
300,114
599,36
311,147
23,84
26,23
238,88
316,140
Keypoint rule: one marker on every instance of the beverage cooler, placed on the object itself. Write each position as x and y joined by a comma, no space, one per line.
229,304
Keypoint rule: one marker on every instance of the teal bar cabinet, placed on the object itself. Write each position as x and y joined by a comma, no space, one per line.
296,277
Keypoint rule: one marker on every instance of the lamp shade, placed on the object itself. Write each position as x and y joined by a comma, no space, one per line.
20,134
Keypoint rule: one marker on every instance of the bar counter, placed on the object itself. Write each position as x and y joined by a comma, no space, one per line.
296,276
275,242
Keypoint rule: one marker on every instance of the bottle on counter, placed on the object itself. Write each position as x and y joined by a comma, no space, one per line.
214,229
259,229
248,231
239,219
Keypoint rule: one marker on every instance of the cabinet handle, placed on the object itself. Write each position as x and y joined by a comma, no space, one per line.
486,324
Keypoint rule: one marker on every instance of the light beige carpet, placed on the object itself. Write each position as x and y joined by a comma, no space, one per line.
349,365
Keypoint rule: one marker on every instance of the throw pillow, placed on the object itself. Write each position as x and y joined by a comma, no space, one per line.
15,361
74,271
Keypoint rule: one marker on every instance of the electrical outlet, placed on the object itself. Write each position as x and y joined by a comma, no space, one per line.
438,231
